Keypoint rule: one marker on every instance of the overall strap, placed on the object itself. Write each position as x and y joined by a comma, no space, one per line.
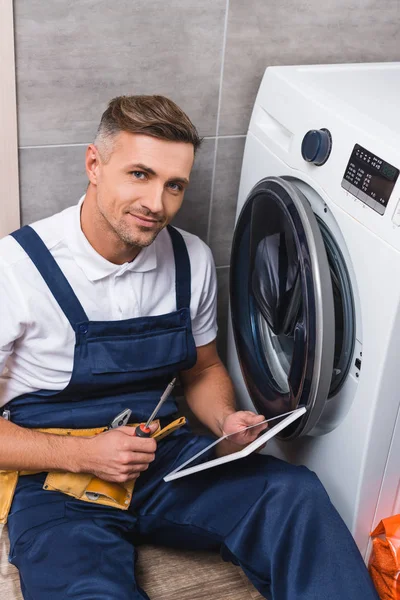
43,260
182,269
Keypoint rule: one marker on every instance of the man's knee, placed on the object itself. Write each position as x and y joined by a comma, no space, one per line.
294,484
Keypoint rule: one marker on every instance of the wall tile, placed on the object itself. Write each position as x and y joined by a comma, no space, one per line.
226,185
261,34
50,180
193,215
222,311
72,58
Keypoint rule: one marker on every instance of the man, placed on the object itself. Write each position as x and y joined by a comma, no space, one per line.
102,305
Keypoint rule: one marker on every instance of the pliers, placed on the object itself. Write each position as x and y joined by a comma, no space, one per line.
142,430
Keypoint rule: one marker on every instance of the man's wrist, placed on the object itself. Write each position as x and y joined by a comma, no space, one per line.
221,421
79,453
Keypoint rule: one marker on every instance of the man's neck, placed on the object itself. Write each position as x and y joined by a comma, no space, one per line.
101,236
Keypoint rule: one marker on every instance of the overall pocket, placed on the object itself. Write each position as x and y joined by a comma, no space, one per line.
138,353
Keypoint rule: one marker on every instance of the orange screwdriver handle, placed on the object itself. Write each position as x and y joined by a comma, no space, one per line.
143,431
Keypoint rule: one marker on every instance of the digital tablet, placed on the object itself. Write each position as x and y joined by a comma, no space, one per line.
260,441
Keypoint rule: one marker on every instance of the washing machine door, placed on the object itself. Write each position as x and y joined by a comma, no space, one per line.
282,304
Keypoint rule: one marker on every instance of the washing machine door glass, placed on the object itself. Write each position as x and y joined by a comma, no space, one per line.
282,304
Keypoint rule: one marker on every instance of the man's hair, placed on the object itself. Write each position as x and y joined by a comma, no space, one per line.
156,116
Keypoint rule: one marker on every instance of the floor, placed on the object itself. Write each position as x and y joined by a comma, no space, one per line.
163,573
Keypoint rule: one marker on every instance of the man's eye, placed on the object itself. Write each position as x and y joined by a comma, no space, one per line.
175,187
138,174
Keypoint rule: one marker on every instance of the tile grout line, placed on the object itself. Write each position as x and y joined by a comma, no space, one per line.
223,137
221,78
217,122
40,146
53,146
212,193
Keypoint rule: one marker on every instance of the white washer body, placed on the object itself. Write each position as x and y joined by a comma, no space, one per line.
358,460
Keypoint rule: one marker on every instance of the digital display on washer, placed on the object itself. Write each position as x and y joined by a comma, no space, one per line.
369,178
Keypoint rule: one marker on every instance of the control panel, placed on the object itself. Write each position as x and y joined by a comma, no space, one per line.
369,178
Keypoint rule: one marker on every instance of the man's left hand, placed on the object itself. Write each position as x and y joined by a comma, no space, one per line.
239,420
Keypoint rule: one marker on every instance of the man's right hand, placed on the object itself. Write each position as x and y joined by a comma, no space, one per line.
118,455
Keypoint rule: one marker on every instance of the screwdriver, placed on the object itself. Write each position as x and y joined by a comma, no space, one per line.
143,430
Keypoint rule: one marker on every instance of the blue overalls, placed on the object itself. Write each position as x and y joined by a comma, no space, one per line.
273,519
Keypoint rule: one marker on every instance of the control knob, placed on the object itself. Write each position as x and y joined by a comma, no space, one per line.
316,146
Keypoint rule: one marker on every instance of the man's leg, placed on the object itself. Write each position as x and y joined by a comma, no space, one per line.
273,519
65,548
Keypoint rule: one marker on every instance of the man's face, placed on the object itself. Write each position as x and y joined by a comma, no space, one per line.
141,187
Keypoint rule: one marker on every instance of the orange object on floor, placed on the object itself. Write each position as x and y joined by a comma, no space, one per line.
384,564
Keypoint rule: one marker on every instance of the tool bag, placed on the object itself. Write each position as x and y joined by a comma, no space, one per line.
384,563
82,486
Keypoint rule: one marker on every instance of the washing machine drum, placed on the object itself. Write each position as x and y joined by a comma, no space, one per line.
291,304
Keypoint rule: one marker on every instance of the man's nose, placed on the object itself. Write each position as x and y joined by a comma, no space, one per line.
153,200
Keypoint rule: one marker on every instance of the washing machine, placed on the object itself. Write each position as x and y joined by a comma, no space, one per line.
315,279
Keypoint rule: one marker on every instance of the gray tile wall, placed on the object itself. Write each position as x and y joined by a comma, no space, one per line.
208,56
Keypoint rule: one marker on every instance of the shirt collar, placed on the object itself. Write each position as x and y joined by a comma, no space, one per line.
92,263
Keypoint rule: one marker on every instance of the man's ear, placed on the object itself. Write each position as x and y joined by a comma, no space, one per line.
92,161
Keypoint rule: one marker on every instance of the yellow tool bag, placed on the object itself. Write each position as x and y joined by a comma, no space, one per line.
82,486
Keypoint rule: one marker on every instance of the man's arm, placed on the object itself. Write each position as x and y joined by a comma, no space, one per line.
208,389
24,449
210,395
116,455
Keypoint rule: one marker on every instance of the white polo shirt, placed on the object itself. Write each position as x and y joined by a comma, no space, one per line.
36,339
